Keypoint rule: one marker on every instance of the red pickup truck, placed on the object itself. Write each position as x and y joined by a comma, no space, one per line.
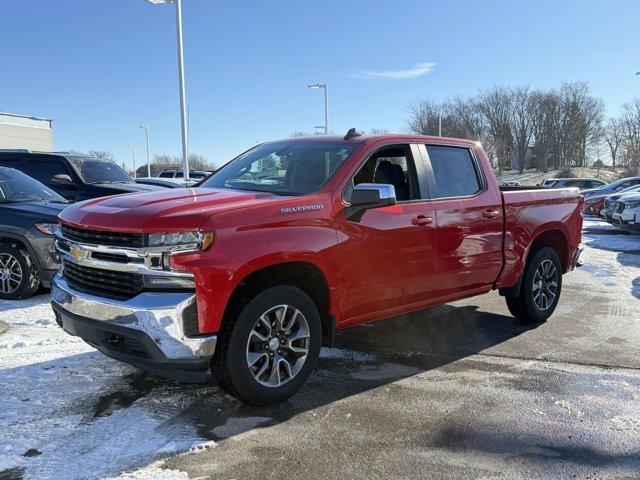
249,274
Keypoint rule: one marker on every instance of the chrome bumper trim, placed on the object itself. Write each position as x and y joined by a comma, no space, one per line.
159,315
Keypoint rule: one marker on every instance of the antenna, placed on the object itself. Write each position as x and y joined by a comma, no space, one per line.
352,134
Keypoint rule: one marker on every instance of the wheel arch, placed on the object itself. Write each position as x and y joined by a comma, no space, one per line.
303,274
556,239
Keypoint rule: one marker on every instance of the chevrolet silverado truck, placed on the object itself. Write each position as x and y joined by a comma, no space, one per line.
248,275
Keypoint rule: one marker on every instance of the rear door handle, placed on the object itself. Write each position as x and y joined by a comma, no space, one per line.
490,213
421,220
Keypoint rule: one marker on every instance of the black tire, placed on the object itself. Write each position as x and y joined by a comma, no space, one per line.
526,306
19,260
230,366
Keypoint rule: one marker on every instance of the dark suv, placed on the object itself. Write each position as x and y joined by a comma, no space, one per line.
28,216
75,177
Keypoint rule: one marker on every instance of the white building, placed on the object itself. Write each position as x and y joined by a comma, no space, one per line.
22,131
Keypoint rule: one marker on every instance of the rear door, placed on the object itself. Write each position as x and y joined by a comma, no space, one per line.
469,217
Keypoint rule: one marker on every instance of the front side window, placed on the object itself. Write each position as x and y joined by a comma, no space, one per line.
391,166
166,175
97,170
45,170
455,171
283,168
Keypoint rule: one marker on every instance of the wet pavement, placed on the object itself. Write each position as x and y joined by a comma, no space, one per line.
459,391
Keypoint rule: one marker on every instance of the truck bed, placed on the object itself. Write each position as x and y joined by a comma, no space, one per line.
529,211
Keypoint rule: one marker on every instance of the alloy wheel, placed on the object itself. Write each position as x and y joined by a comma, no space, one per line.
10,273
278,345
545,285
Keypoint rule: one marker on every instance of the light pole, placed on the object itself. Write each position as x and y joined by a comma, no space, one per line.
440,122
183,97
326,105
146,129
133,155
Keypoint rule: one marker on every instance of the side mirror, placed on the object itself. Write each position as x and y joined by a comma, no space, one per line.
62,179
372,195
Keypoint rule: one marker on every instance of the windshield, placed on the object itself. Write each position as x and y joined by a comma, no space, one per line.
15,186
283,168
98,170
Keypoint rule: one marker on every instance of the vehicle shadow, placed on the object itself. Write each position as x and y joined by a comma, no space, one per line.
363,358
368,357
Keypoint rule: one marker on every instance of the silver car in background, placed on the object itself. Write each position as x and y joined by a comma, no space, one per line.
609,205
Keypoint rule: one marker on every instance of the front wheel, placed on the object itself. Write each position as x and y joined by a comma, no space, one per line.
270,350
540,289
18,276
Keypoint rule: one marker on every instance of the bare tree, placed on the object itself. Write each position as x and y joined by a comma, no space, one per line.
101,154
496,104
423,118
613,137
631,128
522,124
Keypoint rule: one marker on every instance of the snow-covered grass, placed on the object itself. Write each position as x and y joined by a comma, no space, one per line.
68,412
534,177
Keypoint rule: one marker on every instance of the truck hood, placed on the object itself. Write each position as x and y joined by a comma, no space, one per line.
44,212
158,211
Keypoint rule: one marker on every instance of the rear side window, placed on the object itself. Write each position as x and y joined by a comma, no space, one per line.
166,175
455,171
10,162
44,171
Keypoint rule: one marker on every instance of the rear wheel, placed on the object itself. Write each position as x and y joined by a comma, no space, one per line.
540,288
18,276
270,350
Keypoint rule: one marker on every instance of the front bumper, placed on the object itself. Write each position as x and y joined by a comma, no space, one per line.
146,331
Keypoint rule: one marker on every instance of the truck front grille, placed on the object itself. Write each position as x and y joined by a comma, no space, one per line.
107,283
97,237
620,207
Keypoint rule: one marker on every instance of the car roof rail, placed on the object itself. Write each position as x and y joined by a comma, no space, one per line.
15,150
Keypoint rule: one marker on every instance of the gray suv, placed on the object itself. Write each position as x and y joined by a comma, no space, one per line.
28,216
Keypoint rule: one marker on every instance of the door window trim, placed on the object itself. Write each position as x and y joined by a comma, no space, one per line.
432,178
420,177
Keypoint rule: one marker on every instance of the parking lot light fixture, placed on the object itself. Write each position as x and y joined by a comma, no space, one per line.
146,129
183,98
133,156
326,104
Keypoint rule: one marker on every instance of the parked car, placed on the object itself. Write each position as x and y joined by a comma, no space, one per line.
161,182
249,277
547,182
178,175
580,183
75,177
609,202
510,183
627,213
594,199
28,216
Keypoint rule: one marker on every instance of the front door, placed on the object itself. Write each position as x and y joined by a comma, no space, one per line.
388,252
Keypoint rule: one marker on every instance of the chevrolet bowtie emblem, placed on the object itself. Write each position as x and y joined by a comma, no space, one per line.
78,252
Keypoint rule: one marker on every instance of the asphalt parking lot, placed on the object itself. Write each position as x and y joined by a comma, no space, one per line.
459,391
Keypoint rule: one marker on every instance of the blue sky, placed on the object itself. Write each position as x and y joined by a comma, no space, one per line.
100,68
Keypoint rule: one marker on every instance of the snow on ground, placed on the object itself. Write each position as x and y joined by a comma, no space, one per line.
68,412
534,177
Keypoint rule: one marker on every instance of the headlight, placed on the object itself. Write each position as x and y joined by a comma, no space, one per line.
46,228
182,240
168,282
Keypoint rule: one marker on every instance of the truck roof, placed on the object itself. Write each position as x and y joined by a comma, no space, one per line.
370,138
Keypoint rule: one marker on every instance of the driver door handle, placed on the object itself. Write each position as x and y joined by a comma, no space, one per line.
421,220
490,213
